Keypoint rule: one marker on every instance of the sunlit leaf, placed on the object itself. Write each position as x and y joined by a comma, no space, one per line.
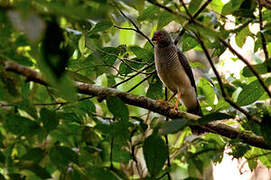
194,5
142,53
127,37
101,26
206,89
241,36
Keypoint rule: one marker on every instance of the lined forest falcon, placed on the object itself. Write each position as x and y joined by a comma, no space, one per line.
175,72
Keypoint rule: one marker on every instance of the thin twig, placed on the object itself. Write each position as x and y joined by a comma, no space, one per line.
134,24
163,175
128,79
146,78
221,85
248,65
261,32
186,10
193,17
154,2
131,68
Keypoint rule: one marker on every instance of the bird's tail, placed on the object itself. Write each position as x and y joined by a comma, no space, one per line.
195,110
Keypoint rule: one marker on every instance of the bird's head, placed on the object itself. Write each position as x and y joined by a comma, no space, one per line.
161,38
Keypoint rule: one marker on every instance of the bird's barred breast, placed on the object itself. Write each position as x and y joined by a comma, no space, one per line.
170,70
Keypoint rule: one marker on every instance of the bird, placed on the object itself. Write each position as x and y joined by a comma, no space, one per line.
175,72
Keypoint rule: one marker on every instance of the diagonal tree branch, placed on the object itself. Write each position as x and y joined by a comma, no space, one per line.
221,85
147,103
248,65
191,17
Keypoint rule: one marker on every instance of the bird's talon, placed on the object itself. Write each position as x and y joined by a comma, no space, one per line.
162,102
175,108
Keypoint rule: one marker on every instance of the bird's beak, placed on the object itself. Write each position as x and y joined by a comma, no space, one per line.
153,38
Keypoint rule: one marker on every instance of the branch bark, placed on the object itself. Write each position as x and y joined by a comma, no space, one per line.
147,103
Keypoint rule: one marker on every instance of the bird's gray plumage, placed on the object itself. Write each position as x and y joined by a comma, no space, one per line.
174,71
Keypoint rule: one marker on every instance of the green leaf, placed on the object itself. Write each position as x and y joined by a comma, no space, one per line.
28,107
87,106
205,89
216,5
137,4
231,6
149,13
173,126
82,44
191,178
109,55
98,173
124,69
2,158
266,129
196,64
252,164
155,154
49,119
250,93
39,171
120,155
241,36
62,156
74,10
194,6
127,37
78,77
65,88
34,154
259,68
25,90
117,107
188,42
19,125
239,149
266,159
213,117
155,90
164,19
101,26
142,53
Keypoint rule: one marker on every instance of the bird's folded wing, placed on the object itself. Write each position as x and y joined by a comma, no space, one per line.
187,68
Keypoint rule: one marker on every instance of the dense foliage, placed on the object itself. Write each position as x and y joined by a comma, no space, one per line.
55,132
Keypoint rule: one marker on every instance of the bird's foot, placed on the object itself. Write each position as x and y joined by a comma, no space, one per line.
162,102
174,108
